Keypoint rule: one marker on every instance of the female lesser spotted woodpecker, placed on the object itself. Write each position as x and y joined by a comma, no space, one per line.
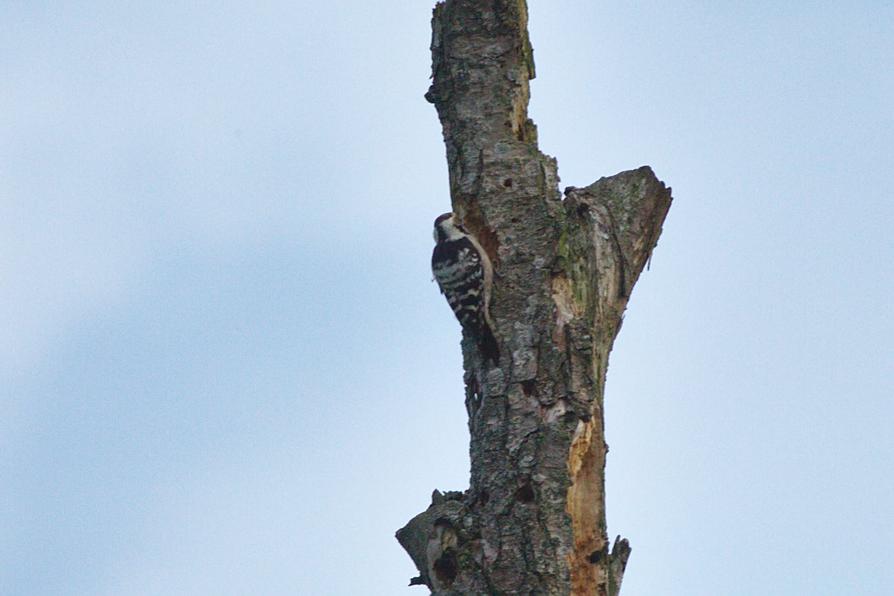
465,274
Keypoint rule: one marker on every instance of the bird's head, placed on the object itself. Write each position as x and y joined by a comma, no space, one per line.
447,228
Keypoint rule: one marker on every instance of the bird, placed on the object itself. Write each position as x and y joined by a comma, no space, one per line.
465,276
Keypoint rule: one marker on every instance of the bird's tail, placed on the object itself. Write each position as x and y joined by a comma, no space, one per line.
487,344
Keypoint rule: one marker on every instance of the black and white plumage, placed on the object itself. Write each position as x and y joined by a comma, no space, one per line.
465,275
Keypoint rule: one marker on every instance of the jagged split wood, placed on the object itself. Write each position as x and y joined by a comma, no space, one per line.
533,518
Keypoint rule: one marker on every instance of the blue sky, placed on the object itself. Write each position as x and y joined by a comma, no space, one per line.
225,370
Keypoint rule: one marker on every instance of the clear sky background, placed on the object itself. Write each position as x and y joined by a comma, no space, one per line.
224,369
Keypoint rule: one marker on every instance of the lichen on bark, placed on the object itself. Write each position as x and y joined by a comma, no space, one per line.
533,518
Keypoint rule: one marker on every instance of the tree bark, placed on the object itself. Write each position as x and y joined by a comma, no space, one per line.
533,518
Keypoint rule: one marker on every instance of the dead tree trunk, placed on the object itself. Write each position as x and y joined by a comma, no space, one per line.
533,519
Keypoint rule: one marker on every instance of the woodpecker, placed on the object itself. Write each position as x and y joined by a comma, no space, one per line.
465,275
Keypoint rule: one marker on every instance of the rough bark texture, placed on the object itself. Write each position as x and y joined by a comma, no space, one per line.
533,519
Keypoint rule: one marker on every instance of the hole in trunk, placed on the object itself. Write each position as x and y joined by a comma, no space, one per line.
446,567
525,493
595,556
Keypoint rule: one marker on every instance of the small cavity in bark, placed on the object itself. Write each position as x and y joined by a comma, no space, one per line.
446,567
525,493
